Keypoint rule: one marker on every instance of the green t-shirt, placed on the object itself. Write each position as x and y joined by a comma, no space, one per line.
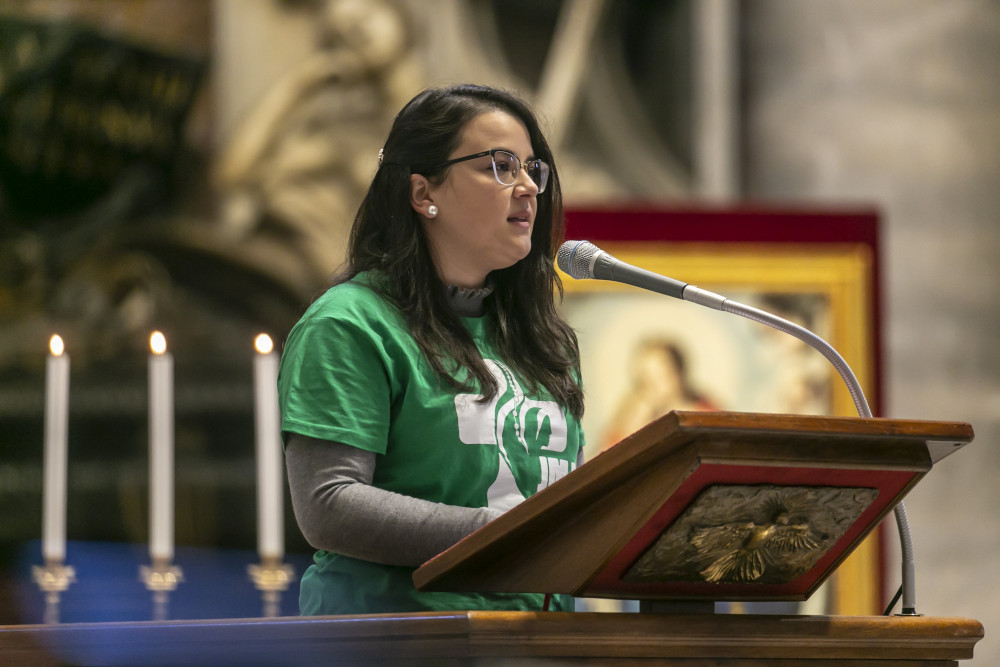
352,373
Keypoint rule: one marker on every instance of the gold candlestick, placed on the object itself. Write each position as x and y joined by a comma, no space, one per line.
53,578
161,578
271,578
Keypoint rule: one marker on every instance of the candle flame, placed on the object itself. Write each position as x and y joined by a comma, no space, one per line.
56,345
158,342
263,343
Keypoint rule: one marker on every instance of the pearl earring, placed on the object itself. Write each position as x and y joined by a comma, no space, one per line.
432,211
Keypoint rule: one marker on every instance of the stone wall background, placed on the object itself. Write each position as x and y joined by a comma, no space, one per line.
897,103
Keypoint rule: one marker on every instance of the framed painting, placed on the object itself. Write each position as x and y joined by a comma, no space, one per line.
644,354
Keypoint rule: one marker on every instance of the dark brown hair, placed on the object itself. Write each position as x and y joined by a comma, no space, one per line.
387,239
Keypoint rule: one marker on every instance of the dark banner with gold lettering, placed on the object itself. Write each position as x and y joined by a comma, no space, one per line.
79,110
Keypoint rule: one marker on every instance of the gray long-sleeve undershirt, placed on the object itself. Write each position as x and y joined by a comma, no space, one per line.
338,510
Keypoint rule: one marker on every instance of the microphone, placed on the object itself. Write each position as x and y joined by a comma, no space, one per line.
584,260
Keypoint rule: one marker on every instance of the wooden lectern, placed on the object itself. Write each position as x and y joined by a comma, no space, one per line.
695,507
704,506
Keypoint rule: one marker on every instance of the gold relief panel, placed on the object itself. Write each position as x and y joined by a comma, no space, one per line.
752,534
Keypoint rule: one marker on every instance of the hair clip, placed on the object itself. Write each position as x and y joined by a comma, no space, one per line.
380,151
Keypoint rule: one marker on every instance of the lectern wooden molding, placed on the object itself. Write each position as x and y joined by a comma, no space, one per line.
704,506
508,639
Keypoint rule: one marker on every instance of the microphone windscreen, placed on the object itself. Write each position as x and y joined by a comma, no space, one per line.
574,258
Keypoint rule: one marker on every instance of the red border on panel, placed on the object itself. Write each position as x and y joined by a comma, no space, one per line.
890,484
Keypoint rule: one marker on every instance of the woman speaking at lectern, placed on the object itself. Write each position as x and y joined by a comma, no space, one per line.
434,386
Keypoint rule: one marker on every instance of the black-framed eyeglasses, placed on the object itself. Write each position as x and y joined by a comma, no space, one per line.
507,167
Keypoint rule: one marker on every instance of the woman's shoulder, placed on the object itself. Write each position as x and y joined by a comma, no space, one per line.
356,299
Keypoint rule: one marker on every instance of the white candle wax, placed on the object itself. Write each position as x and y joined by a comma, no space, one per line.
56,417
161,451
270,467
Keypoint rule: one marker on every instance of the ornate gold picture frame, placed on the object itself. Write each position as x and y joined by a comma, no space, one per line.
643,354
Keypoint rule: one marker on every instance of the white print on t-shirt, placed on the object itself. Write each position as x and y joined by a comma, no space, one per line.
482,423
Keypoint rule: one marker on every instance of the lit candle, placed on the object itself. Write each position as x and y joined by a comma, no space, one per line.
56,415
161,450
270,468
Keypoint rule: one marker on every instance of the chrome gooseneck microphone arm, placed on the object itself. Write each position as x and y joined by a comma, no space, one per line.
582,259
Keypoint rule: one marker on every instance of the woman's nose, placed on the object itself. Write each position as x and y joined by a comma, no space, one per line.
524,180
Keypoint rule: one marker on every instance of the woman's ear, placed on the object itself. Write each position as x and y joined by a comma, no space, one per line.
420,195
